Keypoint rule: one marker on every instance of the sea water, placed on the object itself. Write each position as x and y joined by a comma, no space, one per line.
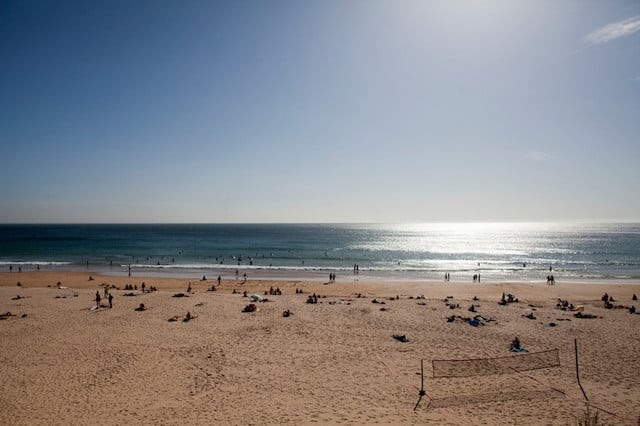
496,251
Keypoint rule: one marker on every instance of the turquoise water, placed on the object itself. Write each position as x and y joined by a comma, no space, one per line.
498,251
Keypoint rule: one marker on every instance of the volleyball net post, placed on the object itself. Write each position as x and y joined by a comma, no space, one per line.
422,393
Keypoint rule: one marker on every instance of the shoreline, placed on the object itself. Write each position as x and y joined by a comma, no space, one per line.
340,287
276,274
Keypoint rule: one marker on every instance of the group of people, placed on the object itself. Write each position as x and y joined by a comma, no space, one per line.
332,277
107,295
251,307
607,301
476,278
507,298
143,287
564,305
609,305
447,277
274,291
551,280
312,299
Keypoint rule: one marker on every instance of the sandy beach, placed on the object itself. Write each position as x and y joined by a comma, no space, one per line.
331,362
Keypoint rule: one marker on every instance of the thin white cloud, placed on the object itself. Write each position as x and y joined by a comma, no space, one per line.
613,31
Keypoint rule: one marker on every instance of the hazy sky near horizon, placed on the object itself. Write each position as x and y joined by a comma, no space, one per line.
319,111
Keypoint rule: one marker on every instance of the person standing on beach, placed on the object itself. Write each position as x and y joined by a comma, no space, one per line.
97,299
110,300
219,279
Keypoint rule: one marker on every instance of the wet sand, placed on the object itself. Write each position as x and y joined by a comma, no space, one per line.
331,362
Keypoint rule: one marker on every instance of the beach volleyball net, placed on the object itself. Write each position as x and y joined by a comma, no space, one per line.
497,365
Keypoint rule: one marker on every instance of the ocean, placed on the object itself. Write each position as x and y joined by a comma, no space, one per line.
496,251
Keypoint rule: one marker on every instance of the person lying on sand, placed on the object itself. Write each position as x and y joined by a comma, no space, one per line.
401,338
141,308
250,308
581,315
452,318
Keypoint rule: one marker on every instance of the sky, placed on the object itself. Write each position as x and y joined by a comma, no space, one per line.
319,111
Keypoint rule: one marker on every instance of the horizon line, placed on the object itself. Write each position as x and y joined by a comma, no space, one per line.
559,221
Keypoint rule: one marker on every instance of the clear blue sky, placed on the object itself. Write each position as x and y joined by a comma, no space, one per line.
319,111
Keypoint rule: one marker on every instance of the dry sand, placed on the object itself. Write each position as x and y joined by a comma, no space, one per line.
331,362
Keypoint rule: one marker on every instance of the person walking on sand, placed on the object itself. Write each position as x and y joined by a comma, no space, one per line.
110,300
97,299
